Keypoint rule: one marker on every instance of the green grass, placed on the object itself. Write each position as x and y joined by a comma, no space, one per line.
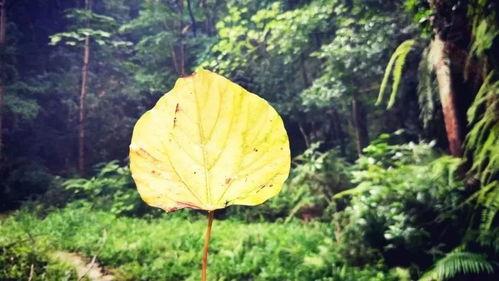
169,248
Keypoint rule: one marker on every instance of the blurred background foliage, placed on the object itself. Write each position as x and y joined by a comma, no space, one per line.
392,109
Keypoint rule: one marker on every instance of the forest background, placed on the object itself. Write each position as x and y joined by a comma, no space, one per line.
391,109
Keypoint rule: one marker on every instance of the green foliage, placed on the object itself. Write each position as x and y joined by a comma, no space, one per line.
168,248
86,23
351,59
23,254
484,27
421,14
481,142
111,189
164,38
324,172
458,262
403,198
395,67
20,258
24,108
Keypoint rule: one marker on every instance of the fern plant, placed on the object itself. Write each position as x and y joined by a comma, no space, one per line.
458,262
481,142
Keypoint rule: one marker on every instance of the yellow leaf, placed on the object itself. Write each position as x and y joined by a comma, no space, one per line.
207,144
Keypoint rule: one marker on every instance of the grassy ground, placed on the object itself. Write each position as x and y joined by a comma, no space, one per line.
169,248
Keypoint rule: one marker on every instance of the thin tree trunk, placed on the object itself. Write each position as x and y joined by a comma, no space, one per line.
82,103
360,125
193,19
180,54
441,64
3,22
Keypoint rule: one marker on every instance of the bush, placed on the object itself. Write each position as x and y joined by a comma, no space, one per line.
404,208
111,189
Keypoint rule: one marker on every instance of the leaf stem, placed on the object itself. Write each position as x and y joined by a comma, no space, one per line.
206,245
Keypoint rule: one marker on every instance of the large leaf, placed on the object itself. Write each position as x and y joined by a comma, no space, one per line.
207,144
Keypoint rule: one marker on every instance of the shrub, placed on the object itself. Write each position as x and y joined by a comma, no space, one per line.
404,208
111,189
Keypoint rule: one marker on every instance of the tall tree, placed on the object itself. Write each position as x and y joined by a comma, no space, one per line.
449,19
83,95
179,49
89,31
446,88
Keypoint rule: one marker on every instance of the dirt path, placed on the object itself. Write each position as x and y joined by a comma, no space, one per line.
90,269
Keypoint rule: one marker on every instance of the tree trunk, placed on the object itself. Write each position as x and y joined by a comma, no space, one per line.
82,103
451,38
3,22
180,54
360,125
441,61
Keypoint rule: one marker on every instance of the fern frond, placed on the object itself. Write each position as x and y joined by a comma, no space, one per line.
458,262
394,68
482,143
397,70
487,90
489,199
484,33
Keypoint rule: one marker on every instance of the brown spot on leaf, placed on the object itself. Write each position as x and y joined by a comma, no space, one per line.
228,180
187,205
